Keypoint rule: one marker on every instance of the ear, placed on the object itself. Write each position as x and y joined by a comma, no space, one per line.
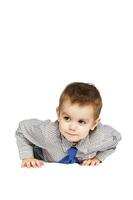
95,124
57,112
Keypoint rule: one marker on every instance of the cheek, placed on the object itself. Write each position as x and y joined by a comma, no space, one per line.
62,125
85,131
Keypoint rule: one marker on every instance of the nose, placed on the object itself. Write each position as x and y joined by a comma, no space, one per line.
72,126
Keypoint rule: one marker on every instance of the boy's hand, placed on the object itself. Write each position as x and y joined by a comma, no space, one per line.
31,162
91,162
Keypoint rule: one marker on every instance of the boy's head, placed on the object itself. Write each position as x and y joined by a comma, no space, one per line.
78,111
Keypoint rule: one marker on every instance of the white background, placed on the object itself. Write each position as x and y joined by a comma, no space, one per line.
44,45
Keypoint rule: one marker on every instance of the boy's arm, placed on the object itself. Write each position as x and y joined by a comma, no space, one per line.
29,133
101,155
116,137
25,147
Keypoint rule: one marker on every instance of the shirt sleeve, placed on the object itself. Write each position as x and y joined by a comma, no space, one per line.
30,133
25,147
102,155
109,147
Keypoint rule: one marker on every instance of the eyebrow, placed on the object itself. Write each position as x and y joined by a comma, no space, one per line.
64,113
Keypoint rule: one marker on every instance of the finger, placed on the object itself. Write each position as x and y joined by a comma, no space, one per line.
86,162
93,162
28,164
97,163
89,162
38,163
83,163
33,164
41,162
23,164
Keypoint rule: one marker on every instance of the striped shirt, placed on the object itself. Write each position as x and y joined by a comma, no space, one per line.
99,143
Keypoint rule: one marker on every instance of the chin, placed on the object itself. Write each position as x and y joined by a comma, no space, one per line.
73,139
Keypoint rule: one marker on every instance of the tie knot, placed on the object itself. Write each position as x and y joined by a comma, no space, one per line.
72,152
71,157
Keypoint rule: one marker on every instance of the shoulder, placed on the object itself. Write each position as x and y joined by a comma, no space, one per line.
39,132
51,129
111,132
105,132
46,127
29,123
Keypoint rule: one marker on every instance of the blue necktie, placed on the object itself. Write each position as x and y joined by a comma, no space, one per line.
71,157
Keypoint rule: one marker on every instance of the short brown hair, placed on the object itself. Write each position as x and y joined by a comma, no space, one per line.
83,94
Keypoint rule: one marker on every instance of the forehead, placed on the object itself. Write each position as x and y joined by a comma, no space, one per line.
76,110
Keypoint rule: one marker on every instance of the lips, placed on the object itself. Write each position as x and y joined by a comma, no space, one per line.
71,134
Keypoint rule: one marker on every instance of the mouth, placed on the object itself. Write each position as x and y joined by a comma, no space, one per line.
71,134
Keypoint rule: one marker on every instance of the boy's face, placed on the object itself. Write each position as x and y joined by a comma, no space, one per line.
76,121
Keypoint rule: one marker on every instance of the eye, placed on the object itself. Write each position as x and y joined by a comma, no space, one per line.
81,122
66,118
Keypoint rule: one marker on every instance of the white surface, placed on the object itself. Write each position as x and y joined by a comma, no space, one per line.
44,45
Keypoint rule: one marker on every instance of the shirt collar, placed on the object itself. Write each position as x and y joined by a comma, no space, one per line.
82,146
65,143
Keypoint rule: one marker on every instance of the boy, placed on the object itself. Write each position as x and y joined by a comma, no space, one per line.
77,136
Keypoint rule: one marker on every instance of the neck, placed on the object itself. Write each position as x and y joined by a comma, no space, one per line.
74,143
